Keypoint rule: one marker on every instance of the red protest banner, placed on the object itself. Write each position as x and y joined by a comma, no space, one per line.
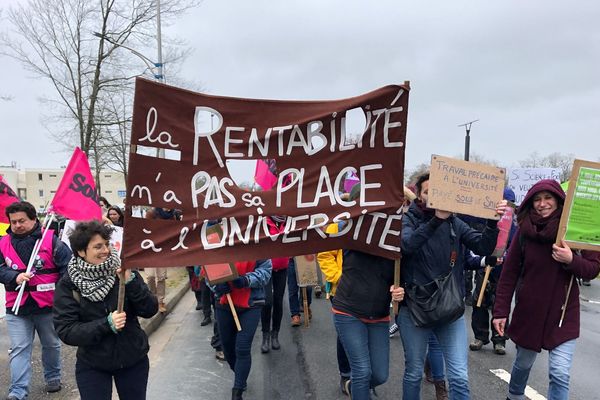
306,139
76,197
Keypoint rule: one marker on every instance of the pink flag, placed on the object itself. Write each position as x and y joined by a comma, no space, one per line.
263,175
7,197
76,197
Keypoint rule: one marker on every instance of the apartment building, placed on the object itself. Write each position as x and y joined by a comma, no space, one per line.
38,186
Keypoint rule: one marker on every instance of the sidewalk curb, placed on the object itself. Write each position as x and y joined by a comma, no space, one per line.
151,324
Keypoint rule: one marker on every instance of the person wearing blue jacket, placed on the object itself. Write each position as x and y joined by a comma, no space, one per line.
247,292
432,243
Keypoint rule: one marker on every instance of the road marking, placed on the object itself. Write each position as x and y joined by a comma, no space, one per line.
529,392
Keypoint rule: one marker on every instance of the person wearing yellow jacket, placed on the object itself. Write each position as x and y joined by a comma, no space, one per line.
330,263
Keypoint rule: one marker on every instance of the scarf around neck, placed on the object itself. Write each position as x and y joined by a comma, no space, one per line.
94,281
428,213
540,229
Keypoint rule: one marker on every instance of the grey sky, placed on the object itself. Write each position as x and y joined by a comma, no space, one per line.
527,70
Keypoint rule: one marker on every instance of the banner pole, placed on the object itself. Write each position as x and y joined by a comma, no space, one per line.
564,307
305,305
396,283
121,296
233,312
486,277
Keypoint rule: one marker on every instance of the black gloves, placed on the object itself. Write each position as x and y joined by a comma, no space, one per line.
222,289
491,261
241,282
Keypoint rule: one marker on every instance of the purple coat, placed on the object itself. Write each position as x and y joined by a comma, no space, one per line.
542,290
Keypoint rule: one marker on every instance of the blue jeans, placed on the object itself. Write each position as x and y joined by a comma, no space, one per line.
452,338
367,346
21,330
435,356
237,345
295,295
560,360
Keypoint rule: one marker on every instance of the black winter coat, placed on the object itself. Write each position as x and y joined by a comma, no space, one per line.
83,323
363,290
428,245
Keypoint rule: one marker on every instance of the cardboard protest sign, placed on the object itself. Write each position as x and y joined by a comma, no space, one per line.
307,140
306,270
520,180
222,272
580,219
116,239
465,187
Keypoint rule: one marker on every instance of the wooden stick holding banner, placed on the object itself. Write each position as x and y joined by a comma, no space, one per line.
504,227
305,305
396,282
233,312
486,277
121,296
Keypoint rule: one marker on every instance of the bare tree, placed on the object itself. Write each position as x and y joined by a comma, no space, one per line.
411,176
74,44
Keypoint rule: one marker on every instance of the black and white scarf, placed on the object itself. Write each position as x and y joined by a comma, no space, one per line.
94,281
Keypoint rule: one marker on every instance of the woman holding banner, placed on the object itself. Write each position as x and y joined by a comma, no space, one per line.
539,272
112,345
433,243
247,292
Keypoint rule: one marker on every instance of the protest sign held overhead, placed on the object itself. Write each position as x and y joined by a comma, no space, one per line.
307,140
465,187
520,180
580,220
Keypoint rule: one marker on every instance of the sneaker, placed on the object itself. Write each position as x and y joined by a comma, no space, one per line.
53,386
476,345
393,329
219,355
345,385
586,282
162,308
318,291
296,320
499,349
11,397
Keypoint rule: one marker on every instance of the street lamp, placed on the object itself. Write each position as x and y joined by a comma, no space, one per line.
467,126
151,65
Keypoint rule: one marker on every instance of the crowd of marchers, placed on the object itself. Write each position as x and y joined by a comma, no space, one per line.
71,295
